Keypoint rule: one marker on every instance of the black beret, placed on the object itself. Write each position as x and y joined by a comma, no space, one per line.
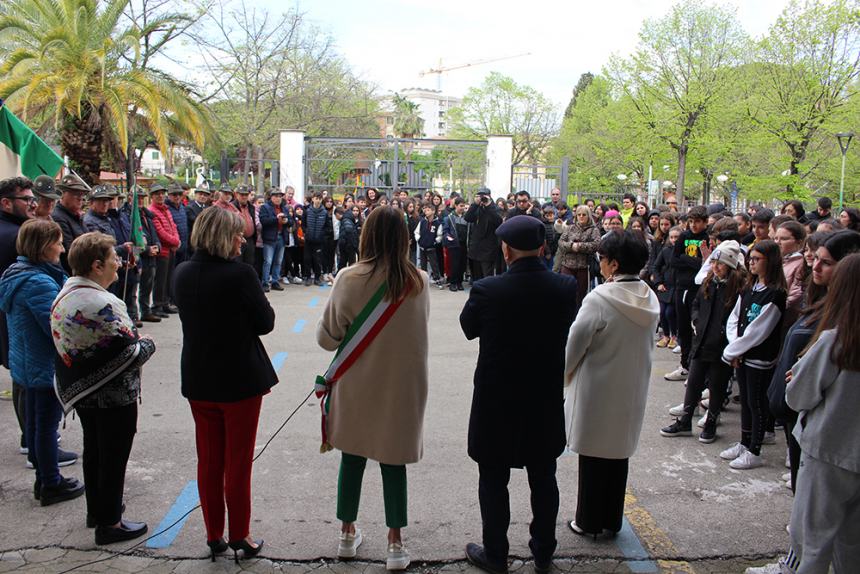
522,232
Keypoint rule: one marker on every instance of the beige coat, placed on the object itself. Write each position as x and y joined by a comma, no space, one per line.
377,408
608,367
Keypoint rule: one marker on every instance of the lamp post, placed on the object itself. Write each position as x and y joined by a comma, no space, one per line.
844,140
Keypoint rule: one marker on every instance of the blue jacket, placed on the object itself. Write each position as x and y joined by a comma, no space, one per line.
314,224
180,218
269,223
27,292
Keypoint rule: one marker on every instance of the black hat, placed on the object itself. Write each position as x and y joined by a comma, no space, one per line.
101,192
43,186
522,232
203,188
174,188
156,188
276,191
225,188
72,184
484,191
243,189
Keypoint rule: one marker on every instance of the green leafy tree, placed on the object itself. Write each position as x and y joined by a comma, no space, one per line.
805,75
73,61
680,70
583,83
501,106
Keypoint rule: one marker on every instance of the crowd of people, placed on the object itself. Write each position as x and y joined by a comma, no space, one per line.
762,309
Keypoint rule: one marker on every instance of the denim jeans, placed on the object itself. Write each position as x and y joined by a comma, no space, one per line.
273,255
42,421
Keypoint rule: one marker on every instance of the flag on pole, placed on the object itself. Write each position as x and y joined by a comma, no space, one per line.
136,227
22,152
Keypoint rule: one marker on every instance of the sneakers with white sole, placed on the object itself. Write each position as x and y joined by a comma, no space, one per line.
398,557
733,451
746,461
678,410
348,544
677,350
704,419
679,374
706,394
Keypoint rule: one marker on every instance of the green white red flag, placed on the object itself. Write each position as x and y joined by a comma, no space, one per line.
22,152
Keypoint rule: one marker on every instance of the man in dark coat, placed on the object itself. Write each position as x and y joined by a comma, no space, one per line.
69,213
202,200
17,205
517,417
483,244
523,206
248,213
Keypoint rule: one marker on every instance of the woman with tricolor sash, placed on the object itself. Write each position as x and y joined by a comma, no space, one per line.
373,402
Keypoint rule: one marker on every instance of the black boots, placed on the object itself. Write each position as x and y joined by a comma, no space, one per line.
67,489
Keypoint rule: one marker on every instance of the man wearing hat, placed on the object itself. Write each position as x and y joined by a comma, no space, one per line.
483,249
46,193
225,198
69,213
202,200
517,417
248,213
168,236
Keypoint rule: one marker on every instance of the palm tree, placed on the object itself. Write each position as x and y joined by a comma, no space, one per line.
407,119
73,62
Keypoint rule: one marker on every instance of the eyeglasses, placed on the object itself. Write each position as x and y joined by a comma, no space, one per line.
28,198
522,201
756,259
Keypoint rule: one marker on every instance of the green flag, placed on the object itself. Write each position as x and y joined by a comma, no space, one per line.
22,152
136,228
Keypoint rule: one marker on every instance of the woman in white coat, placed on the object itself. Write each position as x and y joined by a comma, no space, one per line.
607,371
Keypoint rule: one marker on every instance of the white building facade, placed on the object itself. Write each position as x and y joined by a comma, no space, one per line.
433,108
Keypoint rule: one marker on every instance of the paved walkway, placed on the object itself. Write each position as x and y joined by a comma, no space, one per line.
687,511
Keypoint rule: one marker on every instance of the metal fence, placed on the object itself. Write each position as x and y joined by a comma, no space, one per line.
341,165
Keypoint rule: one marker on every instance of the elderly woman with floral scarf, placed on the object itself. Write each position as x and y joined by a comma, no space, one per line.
98,374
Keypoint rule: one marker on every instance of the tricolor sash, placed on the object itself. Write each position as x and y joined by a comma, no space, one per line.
367,325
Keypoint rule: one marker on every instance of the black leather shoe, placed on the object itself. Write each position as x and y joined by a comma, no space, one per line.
161,314
126,531
248,551
477,557
277,286
67,489
542,565
91,520
217,547
37,489
172,309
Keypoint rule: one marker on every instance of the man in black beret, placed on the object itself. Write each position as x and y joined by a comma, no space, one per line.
517,417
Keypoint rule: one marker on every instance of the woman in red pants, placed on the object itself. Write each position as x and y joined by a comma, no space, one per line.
219,300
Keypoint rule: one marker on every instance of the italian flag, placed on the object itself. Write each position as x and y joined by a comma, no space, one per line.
361,333
22,152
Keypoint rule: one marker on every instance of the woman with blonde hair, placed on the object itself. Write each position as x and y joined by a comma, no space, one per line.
576,249
222,305
376,400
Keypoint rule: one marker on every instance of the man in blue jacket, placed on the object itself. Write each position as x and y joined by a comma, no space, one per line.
517,417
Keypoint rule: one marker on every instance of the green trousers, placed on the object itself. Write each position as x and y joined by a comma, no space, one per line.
349,490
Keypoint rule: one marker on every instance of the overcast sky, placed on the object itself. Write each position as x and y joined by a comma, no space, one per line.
391,41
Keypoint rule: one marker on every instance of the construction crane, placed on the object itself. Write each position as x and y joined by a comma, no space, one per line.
442,69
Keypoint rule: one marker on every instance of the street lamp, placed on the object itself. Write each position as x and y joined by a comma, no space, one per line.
844,140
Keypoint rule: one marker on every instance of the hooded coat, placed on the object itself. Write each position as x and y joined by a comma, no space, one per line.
607,369
27,291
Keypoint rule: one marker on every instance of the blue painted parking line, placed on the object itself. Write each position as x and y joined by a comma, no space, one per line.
323,287
314,302
636,557
300,324
186,500
278,361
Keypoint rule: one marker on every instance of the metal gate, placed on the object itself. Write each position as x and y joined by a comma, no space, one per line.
352,165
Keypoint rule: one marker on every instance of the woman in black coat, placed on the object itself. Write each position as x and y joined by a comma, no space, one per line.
222,300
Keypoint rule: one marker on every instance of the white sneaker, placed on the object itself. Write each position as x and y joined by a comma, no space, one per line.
297,281
733,451
704,419
706,403
679,374
766,569
769,438
706,394
678,410
677,350
398,557
348,544
746,461
788,483
786,476
787,459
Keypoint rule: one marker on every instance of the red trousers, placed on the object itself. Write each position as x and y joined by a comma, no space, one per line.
225,434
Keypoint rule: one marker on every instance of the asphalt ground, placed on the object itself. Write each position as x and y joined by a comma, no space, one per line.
686,509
